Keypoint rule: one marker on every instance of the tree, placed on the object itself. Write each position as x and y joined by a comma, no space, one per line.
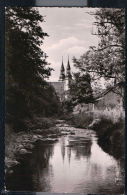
26,67
24,37
80,89
108,59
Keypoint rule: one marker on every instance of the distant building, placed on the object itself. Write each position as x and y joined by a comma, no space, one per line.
62,86
111,98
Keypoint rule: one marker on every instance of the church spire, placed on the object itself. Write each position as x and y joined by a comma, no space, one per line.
68,70
62,66
68,65
62,72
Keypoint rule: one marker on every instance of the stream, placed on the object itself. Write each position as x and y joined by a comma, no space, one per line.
74,163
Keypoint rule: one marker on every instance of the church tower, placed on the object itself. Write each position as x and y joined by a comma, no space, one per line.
68,71
62,72
68,79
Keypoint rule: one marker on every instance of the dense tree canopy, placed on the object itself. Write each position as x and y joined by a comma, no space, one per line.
27,92
80,89
107,60
24,37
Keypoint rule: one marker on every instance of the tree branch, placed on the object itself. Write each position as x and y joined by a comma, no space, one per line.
102,74
108,46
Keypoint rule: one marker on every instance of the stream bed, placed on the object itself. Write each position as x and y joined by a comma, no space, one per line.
73,163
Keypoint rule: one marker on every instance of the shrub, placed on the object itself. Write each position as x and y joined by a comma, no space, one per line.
112,114
83,119
110,131
39,123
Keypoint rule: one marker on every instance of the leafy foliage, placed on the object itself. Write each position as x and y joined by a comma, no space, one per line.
108,59
80,89
27,93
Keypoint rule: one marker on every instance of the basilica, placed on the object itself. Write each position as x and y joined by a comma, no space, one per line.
62,86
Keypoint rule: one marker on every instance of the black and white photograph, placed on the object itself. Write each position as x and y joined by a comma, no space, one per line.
65,105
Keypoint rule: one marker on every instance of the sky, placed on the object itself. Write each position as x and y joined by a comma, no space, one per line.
70,33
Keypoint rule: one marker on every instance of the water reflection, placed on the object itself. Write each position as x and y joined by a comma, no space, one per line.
78,164
63,144
27,176
73,164
40,163
81,146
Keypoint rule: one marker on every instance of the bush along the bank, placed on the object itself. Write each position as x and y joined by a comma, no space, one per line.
82,120
110,134
109,126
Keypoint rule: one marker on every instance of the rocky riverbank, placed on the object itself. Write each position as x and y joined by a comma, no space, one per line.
22,143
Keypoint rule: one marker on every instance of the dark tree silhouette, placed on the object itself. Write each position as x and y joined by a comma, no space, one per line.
27,92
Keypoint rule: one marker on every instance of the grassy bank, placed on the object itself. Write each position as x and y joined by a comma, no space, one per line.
109,126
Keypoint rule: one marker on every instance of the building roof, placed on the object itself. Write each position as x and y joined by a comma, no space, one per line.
59,87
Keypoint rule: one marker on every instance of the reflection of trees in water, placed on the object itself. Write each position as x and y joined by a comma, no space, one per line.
33,173
41,154
81,147
42,169
21,178
63,147
69,154
114,148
